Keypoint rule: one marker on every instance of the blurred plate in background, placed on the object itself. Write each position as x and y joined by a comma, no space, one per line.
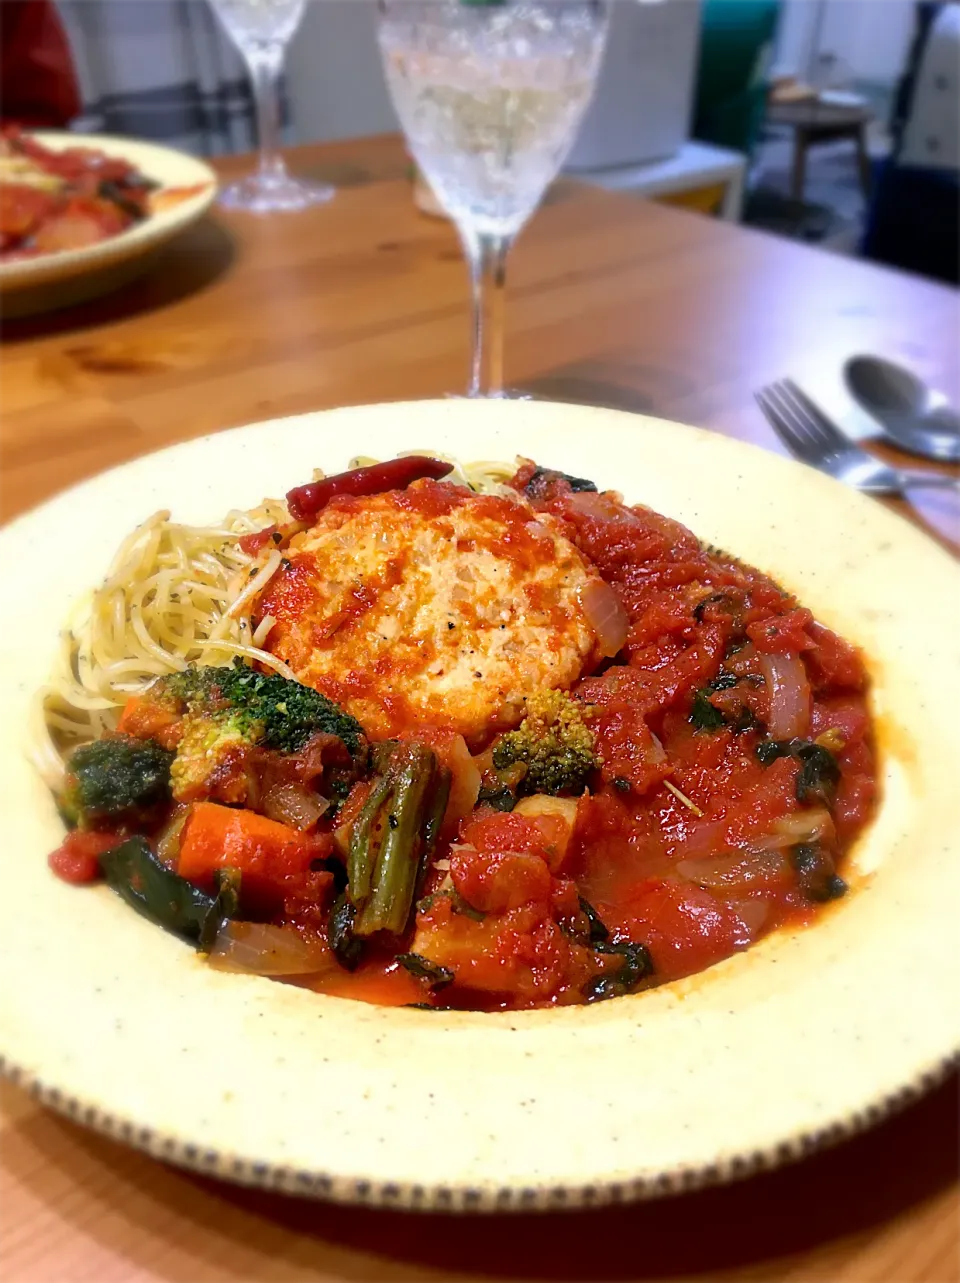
187,188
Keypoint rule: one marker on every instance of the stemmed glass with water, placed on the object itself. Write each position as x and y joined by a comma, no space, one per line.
490,94
261,30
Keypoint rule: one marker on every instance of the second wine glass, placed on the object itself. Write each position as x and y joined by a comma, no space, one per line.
262,30
490,96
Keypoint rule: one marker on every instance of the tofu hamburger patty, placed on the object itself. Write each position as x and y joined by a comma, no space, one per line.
431,606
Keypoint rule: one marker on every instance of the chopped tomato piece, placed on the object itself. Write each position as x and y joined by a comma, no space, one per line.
834,662
782,634
496,831
520,956
684,927
842,713
76,859
251,544
556,818
856,791
496,881
629,750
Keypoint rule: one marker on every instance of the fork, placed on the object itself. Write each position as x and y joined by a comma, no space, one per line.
812,438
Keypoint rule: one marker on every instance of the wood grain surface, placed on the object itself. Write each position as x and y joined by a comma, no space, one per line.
612,301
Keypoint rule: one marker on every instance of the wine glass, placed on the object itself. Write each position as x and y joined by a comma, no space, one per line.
490,94
261,30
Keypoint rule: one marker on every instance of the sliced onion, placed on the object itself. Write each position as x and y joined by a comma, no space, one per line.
605,615
257,949
292,804
735,870
597,506
752,913
465,780
168,843
703,839
788,715
811,825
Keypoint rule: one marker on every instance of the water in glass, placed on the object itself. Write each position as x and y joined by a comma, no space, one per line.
490,100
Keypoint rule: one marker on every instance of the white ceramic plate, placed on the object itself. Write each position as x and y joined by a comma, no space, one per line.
21,279
804,1038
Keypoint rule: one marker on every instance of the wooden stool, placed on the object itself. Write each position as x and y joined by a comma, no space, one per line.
815,122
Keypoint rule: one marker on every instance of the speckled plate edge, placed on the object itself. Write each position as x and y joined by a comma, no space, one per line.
353,1190
164,165
620,1184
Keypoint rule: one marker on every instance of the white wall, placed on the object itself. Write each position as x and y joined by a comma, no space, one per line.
882,42
794,35
334,78
871,38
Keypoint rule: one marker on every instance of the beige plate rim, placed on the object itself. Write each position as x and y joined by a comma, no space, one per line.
802,1009
167,166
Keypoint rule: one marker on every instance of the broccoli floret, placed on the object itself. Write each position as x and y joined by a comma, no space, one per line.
291,713
553,742
227,710
205,745
266,709
115,778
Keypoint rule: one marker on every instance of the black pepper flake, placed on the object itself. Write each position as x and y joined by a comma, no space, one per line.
393,821
277,537
451,624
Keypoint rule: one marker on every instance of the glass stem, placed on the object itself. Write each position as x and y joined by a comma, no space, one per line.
266,64
487,260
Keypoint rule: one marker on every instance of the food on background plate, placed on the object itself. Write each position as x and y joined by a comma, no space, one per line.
455,736
53,200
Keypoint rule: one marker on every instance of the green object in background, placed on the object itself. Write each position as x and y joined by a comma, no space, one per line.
736,43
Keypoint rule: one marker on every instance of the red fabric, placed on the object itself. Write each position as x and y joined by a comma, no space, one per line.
37,81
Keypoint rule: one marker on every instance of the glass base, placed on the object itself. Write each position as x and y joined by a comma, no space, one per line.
260,195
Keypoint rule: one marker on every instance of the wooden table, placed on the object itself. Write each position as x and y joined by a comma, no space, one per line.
816,122
612,300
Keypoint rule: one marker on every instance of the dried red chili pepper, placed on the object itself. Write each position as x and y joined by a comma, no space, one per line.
306,501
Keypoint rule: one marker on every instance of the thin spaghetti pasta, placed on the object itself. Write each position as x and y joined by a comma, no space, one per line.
482,477
173,595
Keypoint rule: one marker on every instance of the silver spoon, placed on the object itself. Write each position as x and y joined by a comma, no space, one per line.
912,415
